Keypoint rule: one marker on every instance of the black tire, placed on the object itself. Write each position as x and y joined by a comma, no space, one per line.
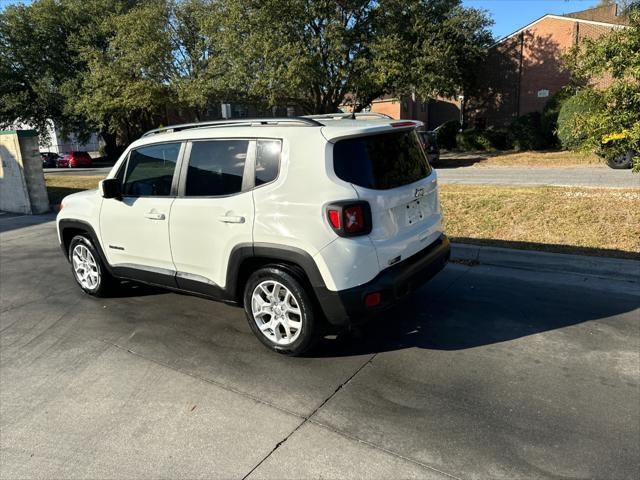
311,321
621,162
106,283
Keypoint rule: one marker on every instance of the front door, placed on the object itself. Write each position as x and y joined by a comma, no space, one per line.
213,212
135,228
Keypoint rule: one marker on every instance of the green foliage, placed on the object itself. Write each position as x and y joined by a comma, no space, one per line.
126,83
526,132
313,53
550,114
489,139
498,138
120,66
35,62
615,56
447,133
572,127
473,140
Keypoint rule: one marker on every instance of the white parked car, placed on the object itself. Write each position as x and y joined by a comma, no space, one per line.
301,221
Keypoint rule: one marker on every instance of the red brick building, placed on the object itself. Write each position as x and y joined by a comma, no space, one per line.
432,112
526,68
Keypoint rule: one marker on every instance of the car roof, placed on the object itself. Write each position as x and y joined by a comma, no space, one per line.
332,127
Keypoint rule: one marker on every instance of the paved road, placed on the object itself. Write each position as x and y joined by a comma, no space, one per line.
487,373
581,177
77,171
568,176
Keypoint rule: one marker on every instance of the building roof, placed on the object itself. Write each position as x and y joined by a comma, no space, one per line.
585,16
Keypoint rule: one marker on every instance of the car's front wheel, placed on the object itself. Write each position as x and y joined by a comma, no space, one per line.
88,270
280,312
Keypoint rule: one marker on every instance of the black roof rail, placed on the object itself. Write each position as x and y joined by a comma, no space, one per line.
343,115
234,122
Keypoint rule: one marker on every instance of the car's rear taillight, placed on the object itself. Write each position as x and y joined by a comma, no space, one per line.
349,218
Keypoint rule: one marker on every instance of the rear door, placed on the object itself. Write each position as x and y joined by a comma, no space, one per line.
213,212
390,171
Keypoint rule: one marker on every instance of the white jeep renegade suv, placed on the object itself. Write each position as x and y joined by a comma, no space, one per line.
300,220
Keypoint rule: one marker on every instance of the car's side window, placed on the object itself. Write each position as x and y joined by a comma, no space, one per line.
216,167
267,161
150,170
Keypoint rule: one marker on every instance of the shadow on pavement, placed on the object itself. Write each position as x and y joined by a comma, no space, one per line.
475,313
15,221
463,161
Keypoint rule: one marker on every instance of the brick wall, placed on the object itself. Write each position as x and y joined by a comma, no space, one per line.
389,107
523,71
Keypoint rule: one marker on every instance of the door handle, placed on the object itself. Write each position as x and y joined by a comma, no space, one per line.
154,216
230,219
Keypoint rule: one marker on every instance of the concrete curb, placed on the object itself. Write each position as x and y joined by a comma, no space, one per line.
607,268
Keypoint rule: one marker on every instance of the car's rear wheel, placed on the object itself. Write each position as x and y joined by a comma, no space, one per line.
88,270
280,312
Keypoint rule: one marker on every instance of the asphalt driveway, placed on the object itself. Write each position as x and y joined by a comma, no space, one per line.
486,373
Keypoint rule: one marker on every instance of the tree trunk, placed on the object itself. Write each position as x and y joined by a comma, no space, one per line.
111,149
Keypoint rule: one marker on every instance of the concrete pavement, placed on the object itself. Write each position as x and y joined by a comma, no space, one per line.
488,372
540,176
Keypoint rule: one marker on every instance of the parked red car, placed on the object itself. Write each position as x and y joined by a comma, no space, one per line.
78,159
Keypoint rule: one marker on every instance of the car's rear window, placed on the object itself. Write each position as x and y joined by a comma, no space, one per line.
382,161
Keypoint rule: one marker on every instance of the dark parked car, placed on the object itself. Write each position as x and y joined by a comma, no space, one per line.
78,159
49,159
430,144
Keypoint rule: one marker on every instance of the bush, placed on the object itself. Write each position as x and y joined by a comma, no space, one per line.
447,134
473,140
499,138
489,139
526,133
550,114
571,119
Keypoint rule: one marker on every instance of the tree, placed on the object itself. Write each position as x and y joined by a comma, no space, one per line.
125,89
119,66
40,64
314,52
34,63
431,48
615,56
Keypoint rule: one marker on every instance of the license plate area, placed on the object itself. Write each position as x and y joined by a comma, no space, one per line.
416,211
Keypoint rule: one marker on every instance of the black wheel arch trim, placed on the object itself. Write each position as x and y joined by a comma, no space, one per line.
66,224
272,252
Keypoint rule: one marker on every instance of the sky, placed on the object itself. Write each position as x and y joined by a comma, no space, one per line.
511,15
508,15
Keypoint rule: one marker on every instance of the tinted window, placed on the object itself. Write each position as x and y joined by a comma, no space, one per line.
267,161
216,167
381,161
150,170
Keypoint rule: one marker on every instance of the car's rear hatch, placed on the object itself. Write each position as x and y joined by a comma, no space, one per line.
390,171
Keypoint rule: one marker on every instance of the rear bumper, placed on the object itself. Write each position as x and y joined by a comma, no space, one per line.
394,283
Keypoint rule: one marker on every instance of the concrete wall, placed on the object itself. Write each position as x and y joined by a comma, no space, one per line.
22,188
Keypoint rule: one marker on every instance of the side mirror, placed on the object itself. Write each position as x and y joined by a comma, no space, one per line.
111,188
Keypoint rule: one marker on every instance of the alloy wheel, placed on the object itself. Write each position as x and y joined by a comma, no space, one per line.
276,312
85,267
